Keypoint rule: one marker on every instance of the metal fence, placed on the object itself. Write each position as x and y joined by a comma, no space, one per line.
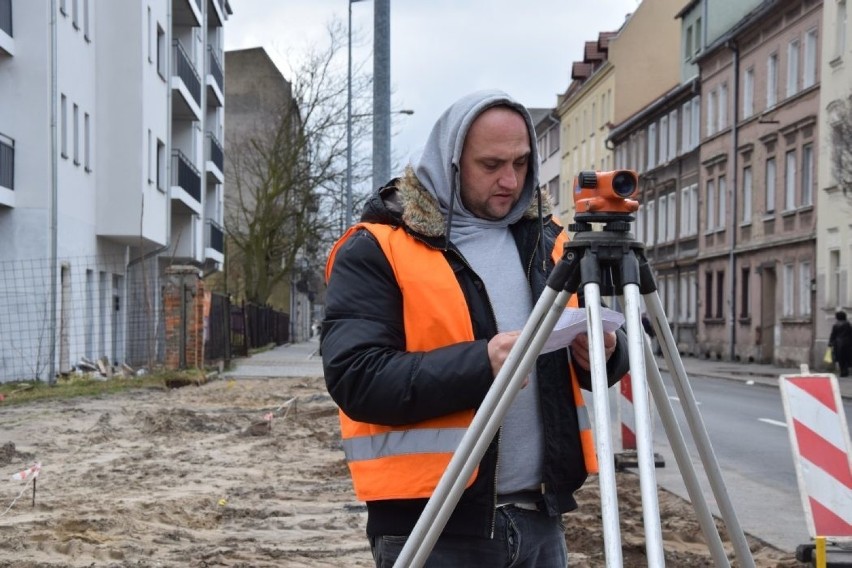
109,309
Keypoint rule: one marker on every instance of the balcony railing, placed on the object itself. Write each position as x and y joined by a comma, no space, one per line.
216,69
186,175
6,16
215,153
186,71
7,162
215,236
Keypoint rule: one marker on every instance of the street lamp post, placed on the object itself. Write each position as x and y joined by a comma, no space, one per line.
349,125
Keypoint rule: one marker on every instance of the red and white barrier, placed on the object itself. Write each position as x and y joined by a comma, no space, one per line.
819,437
27,474
626,414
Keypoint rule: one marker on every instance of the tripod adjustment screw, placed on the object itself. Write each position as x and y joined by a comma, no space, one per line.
617,226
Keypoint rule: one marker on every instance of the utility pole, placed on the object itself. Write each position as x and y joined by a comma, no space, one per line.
381,92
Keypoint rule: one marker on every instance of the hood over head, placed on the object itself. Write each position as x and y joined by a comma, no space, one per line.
439,165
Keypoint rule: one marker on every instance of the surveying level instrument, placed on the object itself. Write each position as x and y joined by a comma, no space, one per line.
612,262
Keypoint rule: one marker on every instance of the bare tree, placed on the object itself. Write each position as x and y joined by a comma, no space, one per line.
841,143
288,174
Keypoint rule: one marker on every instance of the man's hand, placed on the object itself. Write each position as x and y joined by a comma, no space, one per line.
580,348
499,347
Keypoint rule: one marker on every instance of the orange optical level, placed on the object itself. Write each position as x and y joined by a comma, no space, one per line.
605,193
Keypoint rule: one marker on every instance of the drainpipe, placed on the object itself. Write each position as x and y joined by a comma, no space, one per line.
54,191
732,260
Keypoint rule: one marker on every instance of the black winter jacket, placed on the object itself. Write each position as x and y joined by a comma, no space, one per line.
373,379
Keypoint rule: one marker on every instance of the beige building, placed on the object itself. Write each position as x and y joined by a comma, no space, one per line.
646,57
585,115
833,204
757,219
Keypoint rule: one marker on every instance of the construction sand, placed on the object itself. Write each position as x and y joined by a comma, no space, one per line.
197,477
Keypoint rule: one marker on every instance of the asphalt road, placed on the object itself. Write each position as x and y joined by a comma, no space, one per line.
748,432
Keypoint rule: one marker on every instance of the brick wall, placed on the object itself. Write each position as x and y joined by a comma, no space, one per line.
184,327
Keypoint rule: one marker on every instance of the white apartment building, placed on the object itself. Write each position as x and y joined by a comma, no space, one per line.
111,169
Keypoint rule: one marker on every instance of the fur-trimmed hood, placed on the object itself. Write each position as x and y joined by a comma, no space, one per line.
405,201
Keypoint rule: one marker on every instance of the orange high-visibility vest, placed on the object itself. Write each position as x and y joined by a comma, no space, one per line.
406,462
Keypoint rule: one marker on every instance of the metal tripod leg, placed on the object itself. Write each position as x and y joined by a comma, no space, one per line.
482,429
696,427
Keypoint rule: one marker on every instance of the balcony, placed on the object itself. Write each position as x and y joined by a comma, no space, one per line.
7,171
215,160
216,13
7,43
186,81
186,13
186,182
214,241
215,80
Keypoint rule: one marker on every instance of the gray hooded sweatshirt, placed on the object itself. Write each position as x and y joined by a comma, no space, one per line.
489,248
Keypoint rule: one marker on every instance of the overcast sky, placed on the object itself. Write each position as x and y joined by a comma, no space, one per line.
442,49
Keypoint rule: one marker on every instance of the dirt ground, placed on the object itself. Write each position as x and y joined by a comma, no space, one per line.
197,477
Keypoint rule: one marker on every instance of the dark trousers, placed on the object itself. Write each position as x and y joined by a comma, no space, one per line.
522,538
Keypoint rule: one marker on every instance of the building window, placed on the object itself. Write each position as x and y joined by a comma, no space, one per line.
671,227
686,127
745,308
748,93
711,113
720,293
663,215
747,195
150,157
772,80
672,135
792,67
664,140
62,7
86,28
652,145
689,210
63,110
687,44
651,228
553,189
76,118
811,61
807,174
840,29
87,143
723,106
787,279
711,204
161,52
708,294
553,142
723,202
150,37
161,166
805,289
696,121
770,185
75,14
696,47
834,279
790,181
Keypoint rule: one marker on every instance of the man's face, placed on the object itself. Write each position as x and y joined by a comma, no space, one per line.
494,163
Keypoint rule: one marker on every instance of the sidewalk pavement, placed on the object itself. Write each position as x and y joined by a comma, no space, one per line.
303,360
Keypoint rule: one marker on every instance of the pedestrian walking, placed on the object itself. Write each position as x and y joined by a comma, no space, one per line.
840,342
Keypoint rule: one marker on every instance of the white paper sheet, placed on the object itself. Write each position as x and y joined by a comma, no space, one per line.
572,322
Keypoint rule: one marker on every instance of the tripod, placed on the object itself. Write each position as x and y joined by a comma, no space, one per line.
587,260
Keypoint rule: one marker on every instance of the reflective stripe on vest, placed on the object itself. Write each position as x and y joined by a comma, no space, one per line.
406,462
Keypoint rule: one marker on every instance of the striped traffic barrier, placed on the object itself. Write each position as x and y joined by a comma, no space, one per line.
819,437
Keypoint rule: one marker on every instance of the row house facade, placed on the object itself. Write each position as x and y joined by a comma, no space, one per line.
111,169
727,164
547,129
757,221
